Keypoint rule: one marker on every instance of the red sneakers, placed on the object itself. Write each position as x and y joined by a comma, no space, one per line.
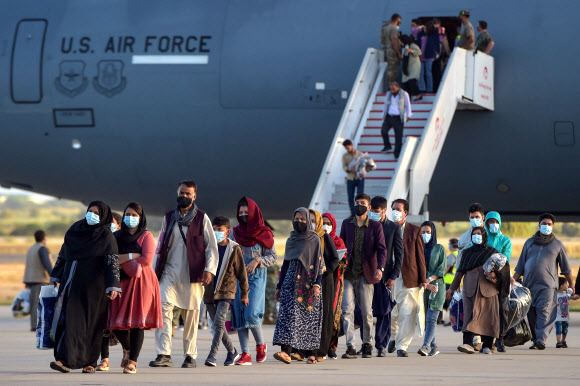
245,360
261,353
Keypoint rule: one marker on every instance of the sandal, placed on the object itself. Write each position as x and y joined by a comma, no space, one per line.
59,367
125,360
297,357
283,357
89,370
103,366
311,360
131,368
320,359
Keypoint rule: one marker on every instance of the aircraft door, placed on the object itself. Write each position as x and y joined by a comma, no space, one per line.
26,66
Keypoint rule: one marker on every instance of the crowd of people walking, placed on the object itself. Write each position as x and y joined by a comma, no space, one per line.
108,289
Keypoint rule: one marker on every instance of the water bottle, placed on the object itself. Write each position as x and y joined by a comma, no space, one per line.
432,295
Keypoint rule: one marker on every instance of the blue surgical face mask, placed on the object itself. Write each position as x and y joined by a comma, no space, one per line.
374,216
131,221
220,236
92,218
476,239
113,227
396,215
494,228
475,222
545,229
426,237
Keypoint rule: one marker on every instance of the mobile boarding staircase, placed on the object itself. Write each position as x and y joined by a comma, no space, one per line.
467,84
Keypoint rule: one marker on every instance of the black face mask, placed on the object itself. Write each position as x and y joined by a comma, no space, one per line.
360,210
299,226
184,202
244,219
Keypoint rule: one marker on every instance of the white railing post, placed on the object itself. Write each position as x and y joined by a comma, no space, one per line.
354,112
451,90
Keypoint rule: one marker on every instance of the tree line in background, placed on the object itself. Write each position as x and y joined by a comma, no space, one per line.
21,216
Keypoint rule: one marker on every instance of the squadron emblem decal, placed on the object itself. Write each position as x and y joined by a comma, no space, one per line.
71,80
110,80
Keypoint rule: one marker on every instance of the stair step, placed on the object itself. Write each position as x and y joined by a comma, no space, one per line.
410,119
417,115
426,98
407,131
406,127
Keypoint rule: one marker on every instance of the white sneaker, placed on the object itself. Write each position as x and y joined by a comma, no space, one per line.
466,348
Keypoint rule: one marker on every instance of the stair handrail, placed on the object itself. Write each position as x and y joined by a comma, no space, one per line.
348,126
451,90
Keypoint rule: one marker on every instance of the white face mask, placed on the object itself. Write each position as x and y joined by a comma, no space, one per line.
397,216
327,228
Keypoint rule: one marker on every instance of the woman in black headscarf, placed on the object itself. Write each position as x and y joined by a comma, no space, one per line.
481,297
88,272
300,313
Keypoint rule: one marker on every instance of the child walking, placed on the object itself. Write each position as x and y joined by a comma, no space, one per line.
219,295
563,316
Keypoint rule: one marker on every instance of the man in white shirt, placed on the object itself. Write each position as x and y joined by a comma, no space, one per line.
396,111
186,261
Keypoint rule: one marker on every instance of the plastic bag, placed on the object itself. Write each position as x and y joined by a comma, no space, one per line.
21,304
518,335
229,327
456,312
494,264
516,305
46,305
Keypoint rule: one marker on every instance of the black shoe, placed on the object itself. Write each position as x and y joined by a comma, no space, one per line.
559,345
332,353
381,353
402,354
564,345
188,363
161,361
500,346
540,345
533,347
350,353
360,352
385,149
367,350
391,347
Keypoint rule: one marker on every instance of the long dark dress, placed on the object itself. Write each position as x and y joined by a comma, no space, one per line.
328,291
82,307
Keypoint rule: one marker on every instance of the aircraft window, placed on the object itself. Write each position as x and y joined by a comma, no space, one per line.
564,133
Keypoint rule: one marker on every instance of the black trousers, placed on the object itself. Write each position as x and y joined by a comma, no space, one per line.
486,341
131,340
105,348
411,87
395,122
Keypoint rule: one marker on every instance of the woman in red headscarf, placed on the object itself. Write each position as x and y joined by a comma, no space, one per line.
330,225
257,242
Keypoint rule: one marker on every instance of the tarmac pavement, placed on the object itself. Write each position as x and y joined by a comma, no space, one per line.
21,363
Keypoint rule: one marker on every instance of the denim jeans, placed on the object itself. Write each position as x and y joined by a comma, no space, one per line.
430,325
361,292
217,313
426,72
244,335
561,328
350,188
